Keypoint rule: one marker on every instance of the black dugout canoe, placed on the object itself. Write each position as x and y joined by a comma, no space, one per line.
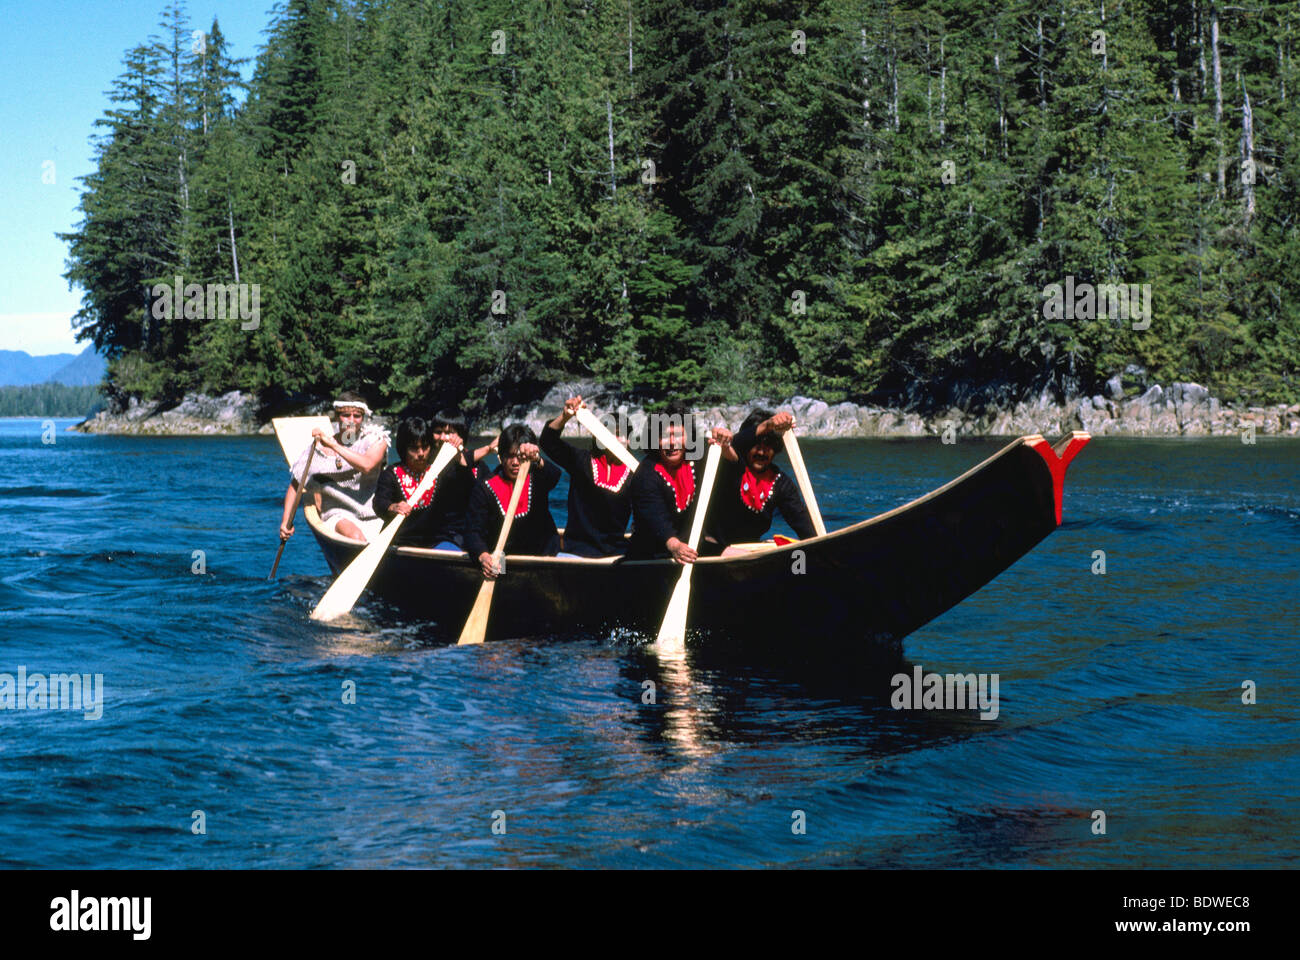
878,579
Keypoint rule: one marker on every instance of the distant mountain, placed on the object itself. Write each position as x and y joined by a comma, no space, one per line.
18,368
85,370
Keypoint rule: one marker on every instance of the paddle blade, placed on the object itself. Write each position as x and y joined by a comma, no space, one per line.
343,593
672,632
475,628
601,433
294,434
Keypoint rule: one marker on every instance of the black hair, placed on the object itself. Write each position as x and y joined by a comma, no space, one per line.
411,431
350,396
451,417
512,437
773,439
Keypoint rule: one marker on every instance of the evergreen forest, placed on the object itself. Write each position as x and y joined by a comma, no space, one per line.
465,201
49,400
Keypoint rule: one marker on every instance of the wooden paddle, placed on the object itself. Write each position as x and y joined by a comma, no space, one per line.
601,433
805,484
297,499
476,625
347,587
294,433
672,632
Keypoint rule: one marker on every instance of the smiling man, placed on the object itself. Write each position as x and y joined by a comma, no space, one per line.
664,491
751,488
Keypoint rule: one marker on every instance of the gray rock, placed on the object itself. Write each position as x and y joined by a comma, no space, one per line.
814,417
1185,408
1164,423
799,405
1153,397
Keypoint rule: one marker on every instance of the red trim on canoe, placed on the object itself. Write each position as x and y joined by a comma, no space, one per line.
1058,465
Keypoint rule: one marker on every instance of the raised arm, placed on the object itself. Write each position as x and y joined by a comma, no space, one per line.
560,450
365,462
778,423
724,439
469,458
555,446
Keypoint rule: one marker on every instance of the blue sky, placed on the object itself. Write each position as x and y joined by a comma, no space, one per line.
57,59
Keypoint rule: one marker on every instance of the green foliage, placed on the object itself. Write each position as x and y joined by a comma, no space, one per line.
49,400
828,197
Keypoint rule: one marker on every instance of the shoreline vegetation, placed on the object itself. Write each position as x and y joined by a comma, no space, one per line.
50,400
1179,410
909,207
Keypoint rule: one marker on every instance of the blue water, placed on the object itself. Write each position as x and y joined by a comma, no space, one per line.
1119,692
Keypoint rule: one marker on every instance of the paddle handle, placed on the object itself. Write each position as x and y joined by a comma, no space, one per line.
276,566
475,629
706,491
515,494
672,630
297,499
601,433
805,484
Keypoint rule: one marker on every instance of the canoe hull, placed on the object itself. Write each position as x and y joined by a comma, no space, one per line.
877,580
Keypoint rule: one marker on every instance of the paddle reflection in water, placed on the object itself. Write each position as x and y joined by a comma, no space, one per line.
685,703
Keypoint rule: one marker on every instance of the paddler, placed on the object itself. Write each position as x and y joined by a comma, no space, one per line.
533,530
450,426
751,488
665,489
599,490
437,519
343,473
457,481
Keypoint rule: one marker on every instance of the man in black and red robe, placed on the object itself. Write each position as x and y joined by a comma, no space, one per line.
750,488
438,519
665,489
600,490
533,531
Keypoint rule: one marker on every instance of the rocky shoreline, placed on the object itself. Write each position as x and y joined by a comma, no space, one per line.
1179,410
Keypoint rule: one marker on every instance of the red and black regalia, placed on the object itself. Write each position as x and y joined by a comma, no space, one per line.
743,504
663,505
533,532
439,516
600,499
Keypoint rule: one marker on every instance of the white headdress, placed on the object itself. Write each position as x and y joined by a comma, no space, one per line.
359,404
